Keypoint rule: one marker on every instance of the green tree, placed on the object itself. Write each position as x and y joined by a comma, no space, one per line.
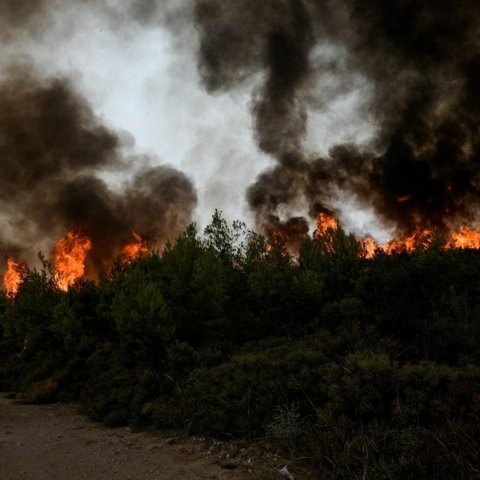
194,286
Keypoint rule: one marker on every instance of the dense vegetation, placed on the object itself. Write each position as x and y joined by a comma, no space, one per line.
366,368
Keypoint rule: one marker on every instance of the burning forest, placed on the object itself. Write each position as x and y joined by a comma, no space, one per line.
418,172
338,319
51,146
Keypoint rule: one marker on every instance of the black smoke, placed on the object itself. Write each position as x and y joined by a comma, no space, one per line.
423,62
16,15
52,150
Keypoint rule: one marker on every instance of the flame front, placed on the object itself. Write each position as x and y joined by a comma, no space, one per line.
135,249
70,254
466,237
408,244
71,251
12,278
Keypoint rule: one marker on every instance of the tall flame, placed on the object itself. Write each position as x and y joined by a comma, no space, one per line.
135,249
70,254
370,246
12,278
325,222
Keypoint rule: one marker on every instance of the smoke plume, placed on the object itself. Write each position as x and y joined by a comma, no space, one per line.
422,60
52,147
16,14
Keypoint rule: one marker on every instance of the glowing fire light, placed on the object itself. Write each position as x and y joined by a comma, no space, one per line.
12,278
277,241
466,237
408,244
370,246
70,254
71,251
135,249
325,222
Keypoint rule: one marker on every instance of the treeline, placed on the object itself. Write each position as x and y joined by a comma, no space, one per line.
365,368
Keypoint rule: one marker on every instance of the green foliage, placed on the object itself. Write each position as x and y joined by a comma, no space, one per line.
364,368
32,307
226,242
336,256
141,317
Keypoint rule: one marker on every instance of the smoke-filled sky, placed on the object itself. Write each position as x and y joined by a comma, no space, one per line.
147,114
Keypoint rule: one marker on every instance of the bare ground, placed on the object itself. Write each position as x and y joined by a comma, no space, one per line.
54,442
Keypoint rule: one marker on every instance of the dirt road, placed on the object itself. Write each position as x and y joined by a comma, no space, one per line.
53,442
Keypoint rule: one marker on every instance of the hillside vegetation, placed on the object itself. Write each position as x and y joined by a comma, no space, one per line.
361,368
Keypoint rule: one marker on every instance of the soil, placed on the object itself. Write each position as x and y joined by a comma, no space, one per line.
55,442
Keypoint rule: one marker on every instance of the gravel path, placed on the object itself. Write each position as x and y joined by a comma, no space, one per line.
53,442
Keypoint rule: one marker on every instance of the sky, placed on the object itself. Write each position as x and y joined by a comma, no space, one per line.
138,68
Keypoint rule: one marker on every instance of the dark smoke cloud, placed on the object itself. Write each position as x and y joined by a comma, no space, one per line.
423,58
16,13
52,147
240,38
423,61
19,17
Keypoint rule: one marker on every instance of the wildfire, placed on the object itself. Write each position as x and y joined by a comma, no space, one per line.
417,239
420,237
71,251
12,278
277,241
370,246
70,254
466,237
134,249
325,222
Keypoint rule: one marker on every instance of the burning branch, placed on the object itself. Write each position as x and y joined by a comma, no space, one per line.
135,249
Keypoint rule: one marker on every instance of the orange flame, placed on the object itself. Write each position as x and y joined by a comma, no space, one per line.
409,243
325,222
370,246
135,249
415,240
466,237
277,242
70,254
12,278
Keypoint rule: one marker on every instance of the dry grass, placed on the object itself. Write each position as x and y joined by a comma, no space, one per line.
40,392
